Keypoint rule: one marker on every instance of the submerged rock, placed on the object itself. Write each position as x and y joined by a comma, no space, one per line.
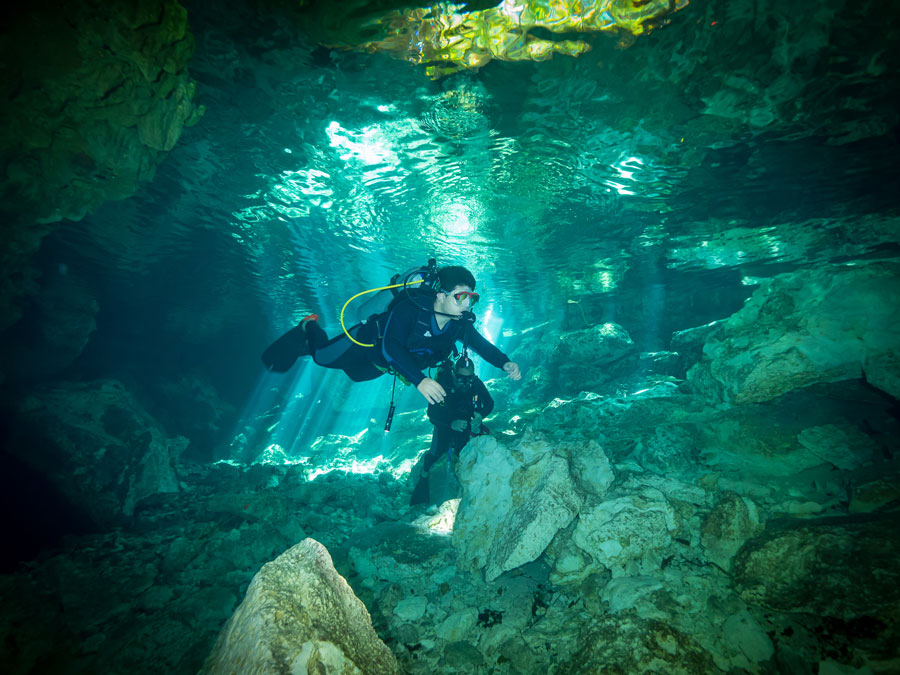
54,331
876,495
101,93
627,644
733,521
98,446
817,325
844,568
628,534
574,361
299,615
514,502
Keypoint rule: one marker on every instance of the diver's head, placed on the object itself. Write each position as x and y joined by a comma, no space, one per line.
453,276
465,372
457,291
465,367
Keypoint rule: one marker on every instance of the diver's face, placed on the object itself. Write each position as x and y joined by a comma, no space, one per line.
464,378
455,302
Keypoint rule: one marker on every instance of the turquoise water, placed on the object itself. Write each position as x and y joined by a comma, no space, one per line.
656,187
651,186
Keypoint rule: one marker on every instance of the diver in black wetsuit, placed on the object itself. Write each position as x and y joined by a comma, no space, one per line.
419,332
455,420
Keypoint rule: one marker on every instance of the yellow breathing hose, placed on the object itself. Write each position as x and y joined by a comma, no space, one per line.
371,290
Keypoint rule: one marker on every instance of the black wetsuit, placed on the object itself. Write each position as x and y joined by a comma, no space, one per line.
460,404
407,341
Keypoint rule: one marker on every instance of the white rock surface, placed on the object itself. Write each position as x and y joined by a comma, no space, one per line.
411,609
456,626
628,534
501,527
827,324
592,469
300,616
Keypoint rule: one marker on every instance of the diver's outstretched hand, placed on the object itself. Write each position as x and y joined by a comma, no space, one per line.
431,390
512,369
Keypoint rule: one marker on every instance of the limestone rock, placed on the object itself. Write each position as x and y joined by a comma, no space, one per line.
883,371
456,626
744,441
875,495
549,504
571,564
747,635
816,325
592,469
573,361
300,615
627,644
688,343
733,521
485,471
412,608
60,321
805,568
624,592
514,501
98,446
845,447
627,534
463,657
586,358
97,95
670,449
398,552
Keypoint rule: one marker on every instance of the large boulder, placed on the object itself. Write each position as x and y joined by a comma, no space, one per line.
628,535
816,325
515,499
844,568
587,358
580,360
98,447
300,616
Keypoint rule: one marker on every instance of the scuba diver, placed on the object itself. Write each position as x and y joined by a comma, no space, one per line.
457,418
418,330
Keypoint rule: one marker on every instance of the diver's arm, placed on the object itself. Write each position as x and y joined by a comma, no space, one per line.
485,349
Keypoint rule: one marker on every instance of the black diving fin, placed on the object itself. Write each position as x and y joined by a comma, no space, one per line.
281,354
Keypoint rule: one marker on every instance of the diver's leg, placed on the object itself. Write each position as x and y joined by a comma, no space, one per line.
316,338
440,441
460,438
339,352
420,491
281,354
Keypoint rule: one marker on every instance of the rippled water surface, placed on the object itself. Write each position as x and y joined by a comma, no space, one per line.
318,172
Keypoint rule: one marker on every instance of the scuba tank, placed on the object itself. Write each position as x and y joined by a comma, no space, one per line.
419,281
413,285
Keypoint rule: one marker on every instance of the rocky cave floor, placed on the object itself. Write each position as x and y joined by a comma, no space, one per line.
739,548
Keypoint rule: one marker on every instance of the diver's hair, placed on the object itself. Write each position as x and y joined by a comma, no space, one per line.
454,276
